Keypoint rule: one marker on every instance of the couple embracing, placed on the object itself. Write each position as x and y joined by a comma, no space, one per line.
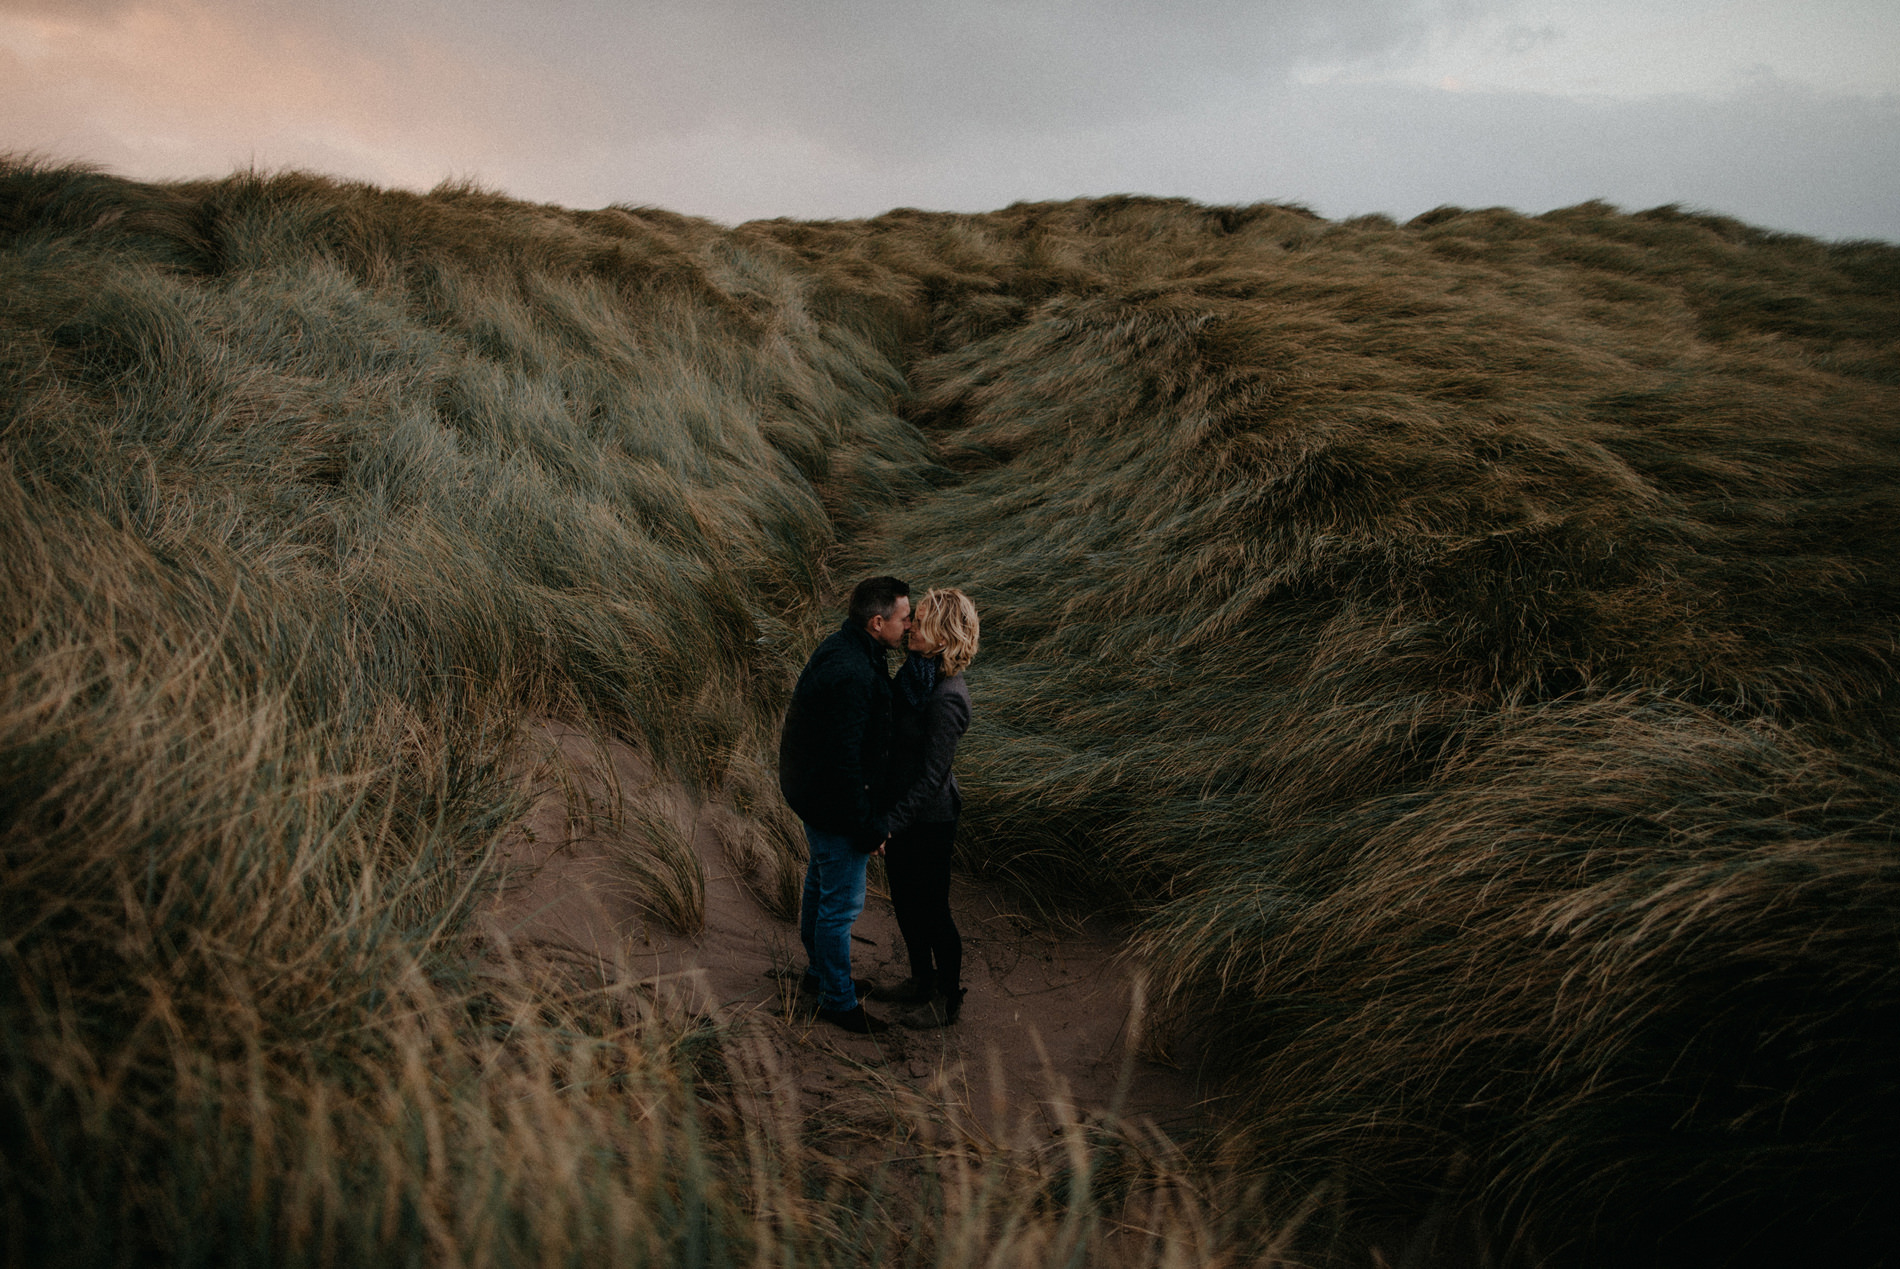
864,761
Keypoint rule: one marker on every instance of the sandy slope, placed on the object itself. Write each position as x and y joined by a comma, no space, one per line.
1048,1016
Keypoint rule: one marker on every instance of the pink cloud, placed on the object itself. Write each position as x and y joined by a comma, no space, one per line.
179,88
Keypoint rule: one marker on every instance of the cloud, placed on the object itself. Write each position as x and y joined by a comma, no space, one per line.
879,76
1773,154
86,10
752,108
181,88
1641,48
417,89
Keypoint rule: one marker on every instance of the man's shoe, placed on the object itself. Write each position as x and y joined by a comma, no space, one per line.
912,991
855,1020
808,986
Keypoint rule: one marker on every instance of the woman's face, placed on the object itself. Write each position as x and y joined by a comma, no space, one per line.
920,641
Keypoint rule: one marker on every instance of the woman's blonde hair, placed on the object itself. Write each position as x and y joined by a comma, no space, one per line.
947,616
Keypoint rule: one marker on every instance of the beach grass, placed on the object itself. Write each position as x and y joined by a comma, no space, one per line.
1464,648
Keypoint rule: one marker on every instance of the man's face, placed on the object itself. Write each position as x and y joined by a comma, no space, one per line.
890,630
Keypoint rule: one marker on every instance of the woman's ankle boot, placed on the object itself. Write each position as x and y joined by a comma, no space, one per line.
939,1011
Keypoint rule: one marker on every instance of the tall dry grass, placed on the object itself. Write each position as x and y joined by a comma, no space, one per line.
244,1024
1465,646
1469,648
312,495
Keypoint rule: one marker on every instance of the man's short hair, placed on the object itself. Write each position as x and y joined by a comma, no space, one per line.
876,597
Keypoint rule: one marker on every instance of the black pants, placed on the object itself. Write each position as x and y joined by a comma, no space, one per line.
917,862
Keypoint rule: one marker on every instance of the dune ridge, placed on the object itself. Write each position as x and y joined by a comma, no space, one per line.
1463,648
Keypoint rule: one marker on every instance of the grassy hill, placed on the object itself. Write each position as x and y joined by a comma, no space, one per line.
1466,647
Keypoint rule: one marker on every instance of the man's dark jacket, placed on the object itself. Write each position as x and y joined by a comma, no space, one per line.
835,746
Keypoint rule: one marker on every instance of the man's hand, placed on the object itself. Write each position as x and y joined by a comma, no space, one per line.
880,847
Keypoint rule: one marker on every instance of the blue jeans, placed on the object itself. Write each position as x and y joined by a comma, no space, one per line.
834,895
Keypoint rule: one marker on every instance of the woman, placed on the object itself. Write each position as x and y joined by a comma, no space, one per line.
930,710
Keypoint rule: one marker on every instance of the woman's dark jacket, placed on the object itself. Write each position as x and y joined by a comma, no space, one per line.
923,745
834,749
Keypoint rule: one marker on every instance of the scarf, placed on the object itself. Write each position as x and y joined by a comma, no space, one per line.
917,679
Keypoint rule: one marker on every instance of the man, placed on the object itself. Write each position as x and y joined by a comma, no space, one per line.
832,757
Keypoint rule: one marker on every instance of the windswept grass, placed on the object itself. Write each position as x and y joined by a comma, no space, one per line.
301,519
764,842
1470,648
1466,646
659,859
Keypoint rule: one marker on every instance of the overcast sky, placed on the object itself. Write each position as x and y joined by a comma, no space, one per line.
1785,113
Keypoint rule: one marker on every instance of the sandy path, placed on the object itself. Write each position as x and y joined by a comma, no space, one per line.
1048,1016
